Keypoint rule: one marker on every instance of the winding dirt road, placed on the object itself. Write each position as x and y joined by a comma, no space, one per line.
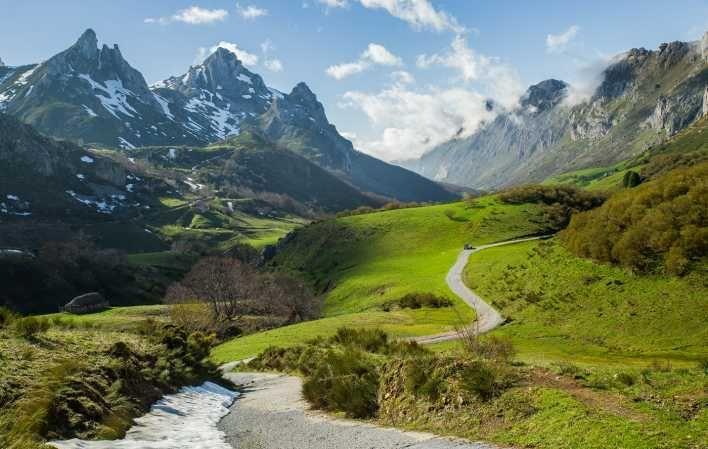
271,413
487,317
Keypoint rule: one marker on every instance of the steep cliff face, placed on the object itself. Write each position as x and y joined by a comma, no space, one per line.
645,97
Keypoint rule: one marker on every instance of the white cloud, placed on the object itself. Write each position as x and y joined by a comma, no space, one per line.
501,80
244,56
274,65
401,77
194,15
378,54
420,14
332,3
412,122
251,12
557,43
267,46
341,71
588,78
374,54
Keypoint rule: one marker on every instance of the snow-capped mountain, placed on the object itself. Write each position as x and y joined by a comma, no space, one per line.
213,98
92,95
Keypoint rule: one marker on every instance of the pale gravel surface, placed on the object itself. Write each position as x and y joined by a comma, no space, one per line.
487,317
271,414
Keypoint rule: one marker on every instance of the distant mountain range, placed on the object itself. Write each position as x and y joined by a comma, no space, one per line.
644,98
93,96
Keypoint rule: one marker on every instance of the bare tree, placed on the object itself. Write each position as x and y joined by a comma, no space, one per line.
220,290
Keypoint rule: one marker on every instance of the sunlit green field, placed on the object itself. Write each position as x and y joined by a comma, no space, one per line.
363,262
115,318
565,308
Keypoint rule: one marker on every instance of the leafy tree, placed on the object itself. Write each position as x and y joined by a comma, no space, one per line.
662,225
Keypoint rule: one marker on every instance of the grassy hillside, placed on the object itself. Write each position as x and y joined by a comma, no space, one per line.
362,263
564,307
688,147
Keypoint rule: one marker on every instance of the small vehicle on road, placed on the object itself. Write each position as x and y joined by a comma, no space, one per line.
468,246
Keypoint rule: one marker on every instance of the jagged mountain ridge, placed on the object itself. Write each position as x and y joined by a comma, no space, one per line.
92,95
644,98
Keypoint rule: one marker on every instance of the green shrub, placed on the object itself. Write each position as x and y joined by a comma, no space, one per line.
569,369
370,340
30,327
418,300
660,225
560,202
346,381
626,378
631,179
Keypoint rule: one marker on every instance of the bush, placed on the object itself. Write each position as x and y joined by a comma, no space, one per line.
30,326
346,381
370,340
418,300
560,202
631,179
660,225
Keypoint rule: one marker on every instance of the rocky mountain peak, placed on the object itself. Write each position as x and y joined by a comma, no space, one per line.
87,45
704,46
303,97
222,56
671,53
545,95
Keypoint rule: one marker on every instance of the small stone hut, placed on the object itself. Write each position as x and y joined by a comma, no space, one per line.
88,303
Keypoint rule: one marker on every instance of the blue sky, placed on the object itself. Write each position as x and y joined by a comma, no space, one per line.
433,64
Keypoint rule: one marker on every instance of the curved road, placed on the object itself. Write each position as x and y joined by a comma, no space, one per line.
487,317
271,413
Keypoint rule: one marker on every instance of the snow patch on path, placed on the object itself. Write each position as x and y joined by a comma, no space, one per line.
185,420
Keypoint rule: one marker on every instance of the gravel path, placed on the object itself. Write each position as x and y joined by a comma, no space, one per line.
487,317
271,414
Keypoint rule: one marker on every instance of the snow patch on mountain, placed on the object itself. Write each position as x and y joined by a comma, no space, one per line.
116,96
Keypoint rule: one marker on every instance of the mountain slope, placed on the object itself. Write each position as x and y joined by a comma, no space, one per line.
644,98
41,178
298,122
93,95
90,94
249,166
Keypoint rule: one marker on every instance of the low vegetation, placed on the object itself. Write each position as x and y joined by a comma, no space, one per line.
559,202
420,300
479,391
61,380
561,307
660,226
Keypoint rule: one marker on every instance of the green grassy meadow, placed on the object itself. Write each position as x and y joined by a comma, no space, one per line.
362,262
564,308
